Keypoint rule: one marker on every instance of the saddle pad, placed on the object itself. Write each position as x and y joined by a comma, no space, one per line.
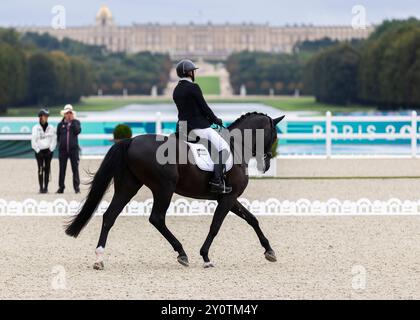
203,160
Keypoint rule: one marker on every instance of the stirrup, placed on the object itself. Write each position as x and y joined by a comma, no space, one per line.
218,188
226,189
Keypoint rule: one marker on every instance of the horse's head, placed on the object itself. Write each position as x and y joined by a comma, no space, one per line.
258,135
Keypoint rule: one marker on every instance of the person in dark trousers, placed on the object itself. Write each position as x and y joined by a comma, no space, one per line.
194,111
43,141
67,136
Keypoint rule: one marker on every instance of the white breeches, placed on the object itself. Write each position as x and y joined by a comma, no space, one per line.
212,136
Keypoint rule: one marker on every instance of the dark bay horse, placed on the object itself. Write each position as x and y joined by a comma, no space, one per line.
132,163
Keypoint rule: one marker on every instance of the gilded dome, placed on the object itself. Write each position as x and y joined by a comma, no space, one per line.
104,13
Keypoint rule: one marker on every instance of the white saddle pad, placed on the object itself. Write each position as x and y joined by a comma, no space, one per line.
203,160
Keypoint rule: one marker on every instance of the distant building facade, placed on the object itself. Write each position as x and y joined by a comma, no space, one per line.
208,41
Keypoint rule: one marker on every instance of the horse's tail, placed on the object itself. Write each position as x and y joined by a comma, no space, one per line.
113,163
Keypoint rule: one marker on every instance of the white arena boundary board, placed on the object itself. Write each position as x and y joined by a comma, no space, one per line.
185,207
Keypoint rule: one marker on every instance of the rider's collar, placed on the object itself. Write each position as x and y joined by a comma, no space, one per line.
186,79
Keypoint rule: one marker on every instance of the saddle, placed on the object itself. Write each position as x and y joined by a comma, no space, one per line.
202,157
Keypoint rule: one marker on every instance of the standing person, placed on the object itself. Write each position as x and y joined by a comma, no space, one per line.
44,141
67,136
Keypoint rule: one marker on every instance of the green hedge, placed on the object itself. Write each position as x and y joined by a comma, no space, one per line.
122,131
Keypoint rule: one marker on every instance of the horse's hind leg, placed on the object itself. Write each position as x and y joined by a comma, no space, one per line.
125,189
162,200
243,213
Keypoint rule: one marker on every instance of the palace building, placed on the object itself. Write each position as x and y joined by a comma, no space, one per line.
208,41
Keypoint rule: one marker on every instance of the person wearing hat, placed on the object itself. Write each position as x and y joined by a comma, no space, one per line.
195,116
67,136
44,141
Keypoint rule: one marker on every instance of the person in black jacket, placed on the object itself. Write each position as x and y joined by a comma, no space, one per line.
196,115
67,136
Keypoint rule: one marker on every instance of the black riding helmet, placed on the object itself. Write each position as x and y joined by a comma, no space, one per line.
185,66
43,112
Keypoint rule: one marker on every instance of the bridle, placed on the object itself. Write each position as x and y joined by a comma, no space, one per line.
267,155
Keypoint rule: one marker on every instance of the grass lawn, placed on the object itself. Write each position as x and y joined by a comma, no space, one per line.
209,84
289,103
108,103
86,104
303,104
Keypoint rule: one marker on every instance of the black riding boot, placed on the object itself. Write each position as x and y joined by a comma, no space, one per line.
41,179
217,183
46,179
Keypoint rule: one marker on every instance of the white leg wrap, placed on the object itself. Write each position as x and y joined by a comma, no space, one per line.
99,254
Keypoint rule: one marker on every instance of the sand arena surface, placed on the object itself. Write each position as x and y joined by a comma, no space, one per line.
372,179
318,257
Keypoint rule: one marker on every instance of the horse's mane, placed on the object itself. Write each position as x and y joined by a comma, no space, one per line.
245,116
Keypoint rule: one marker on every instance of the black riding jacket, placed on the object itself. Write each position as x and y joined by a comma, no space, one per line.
192,107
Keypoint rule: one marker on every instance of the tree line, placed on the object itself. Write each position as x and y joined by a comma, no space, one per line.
31,77
277,73
383,71
137,73
38,69
111,72
262,73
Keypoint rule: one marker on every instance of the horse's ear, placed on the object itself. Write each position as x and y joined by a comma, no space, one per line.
277,120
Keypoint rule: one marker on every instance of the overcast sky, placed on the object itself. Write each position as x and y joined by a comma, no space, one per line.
275,12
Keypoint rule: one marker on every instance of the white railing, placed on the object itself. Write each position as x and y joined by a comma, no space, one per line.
185,207
410,132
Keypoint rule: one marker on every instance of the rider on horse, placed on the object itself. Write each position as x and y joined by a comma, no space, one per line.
198,117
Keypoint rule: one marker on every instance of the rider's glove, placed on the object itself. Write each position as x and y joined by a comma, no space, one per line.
219,122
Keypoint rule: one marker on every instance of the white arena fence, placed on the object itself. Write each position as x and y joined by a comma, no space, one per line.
185,207
328,132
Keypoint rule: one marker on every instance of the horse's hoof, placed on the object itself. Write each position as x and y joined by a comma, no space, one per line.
183,260
98,266
208,265
270,255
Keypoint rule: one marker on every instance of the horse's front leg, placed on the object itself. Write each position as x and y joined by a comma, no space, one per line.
243,213
225,204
